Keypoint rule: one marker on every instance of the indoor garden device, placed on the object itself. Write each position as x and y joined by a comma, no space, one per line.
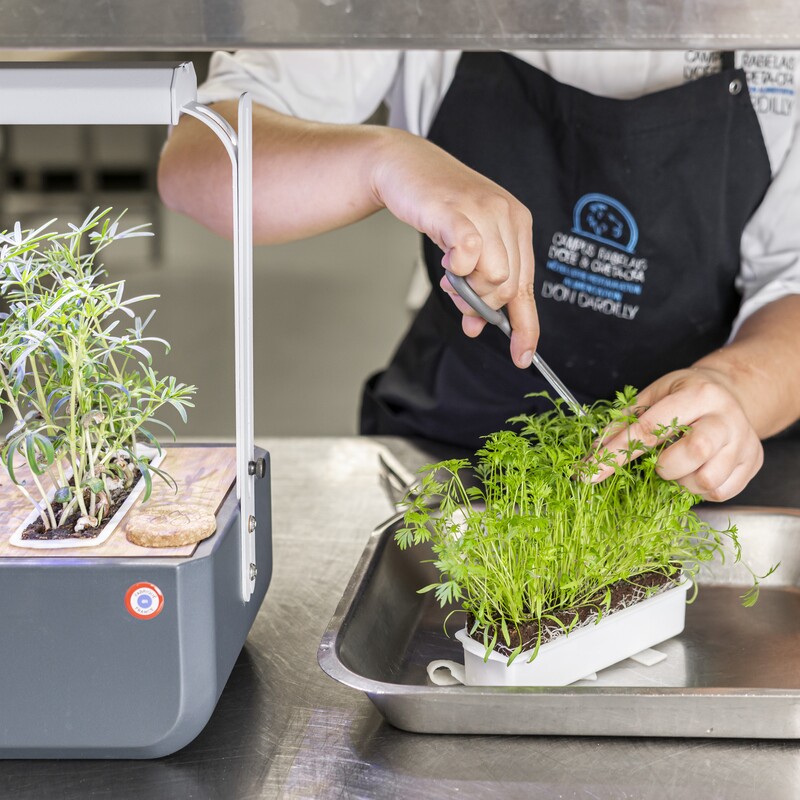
125,656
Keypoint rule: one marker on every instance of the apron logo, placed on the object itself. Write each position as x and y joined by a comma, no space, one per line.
595,266
606,220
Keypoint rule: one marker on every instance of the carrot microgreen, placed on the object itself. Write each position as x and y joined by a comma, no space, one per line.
534,536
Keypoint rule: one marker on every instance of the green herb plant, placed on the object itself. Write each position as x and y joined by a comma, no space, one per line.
536,537
80,387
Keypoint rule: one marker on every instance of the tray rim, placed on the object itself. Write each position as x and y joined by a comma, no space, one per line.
330,662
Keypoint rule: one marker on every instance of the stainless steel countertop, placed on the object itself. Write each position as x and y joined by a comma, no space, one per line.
284,729
497,24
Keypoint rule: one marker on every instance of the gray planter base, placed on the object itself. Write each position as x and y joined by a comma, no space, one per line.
82,677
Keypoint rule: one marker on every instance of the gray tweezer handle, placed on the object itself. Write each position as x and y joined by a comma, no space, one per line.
498,318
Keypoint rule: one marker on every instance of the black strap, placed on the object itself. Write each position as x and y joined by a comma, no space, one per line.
728,59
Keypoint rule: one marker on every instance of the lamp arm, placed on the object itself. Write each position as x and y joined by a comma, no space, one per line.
239,145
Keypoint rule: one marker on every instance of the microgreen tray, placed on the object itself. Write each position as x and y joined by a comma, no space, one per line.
733,672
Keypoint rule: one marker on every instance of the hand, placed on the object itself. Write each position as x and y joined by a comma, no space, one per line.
484,232
721,453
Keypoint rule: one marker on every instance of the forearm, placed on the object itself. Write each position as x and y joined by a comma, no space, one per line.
761,366
310,178
307,177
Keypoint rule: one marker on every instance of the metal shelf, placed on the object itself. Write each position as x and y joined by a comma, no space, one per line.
153,25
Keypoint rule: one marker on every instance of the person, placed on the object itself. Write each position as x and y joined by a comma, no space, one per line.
657,194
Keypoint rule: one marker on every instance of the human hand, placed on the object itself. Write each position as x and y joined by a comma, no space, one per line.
717,457
485,233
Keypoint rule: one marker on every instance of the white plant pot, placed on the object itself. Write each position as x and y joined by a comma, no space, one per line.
585,650
63,544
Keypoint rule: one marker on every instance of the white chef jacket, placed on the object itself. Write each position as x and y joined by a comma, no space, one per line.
347,86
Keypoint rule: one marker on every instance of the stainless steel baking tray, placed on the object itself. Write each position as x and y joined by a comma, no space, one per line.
733,672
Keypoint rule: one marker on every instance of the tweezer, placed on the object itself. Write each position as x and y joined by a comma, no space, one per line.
498,318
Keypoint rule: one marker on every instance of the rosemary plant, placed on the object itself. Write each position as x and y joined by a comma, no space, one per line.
536,537
81,388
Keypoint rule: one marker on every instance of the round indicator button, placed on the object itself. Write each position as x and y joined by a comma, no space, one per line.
144,600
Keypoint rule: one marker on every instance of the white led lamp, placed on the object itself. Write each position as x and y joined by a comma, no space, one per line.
157,94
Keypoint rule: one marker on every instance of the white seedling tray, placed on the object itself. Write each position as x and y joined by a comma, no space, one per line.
63,544
585,650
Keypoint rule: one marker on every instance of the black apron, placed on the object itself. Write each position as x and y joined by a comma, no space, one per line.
638,209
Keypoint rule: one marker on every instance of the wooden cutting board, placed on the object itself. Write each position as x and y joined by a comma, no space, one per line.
204,476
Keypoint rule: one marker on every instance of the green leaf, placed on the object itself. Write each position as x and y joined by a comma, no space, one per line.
9,462
154,421
165,476
116,385
31,453
58,357
19,378
180,409
147,478
63,495
142,351
149,436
